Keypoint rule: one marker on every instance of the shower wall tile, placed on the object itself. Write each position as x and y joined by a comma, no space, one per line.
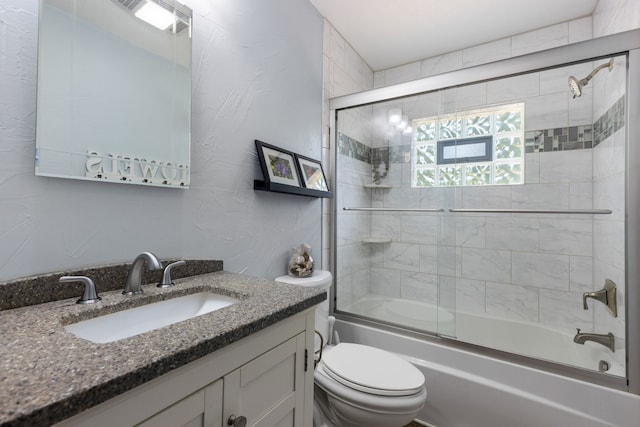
555,79
429,259
360,284
419,287
609,194
581,109
581,274
402,256
386,225
471,231
513,88
403,73
449,261
470,295
441,64
540,270
608,242
402,198
580,29
486,264
518,234
385,282
487,52
563,310
566,166
493,197
512,302
420,229
544,38
532,168
581,195
540,196
547,110
566,236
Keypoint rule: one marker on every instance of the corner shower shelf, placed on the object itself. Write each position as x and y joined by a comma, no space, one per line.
376,240
289,189
377,186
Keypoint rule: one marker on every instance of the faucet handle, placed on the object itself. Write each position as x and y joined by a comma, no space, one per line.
166,275
89,296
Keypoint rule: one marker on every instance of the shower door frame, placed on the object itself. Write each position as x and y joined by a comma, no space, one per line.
626,43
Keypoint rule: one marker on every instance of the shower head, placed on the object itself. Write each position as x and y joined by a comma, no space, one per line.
576,85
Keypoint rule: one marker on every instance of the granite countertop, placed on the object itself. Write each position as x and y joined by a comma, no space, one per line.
48,374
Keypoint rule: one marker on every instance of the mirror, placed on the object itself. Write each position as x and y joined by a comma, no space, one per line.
114,92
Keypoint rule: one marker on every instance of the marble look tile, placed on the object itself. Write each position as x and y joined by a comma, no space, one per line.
608,242
537,40
493,197
547,111
447,293
441,64
470,231
420,229
555,79
514,89
563,310
581,109
580,29
342,83
540,270
403,73
353,65
540,196
519,234
360,283
336,47
429,259
378,79
581,195
402,256
581,273
425,105
609,193
512,302
402,198
487,52
566,166
419,287
449,261
326,36
385,282
486,264
470,295
386,225
608,156
367,77
566,236
532,168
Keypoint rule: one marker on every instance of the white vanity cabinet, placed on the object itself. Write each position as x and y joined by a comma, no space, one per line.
267,378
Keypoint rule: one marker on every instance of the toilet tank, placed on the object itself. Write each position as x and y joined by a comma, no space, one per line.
321,279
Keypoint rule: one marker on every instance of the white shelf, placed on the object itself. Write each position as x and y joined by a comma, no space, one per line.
381,186
376,240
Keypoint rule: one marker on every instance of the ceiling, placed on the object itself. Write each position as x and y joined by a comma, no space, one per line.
389,33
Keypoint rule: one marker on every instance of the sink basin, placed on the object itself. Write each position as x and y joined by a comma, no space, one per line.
135,321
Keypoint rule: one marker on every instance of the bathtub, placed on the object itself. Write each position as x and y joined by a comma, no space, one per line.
528,339
467,389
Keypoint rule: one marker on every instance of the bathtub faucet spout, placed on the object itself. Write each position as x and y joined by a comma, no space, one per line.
607,340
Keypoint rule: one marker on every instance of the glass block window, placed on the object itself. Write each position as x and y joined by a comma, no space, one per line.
503,125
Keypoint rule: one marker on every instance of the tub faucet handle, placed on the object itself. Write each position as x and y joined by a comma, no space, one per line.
166,275
606,295
89,296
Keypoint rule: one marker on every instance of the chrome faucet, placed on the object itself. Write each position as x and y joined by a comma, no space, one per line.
606,295
134,279
607,340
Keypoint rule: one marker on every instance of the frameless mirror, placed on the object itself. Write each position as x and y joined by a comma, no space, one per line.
114,91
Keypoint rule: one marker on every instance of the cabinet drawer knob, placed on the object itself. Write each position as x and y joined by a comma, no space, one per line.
237,421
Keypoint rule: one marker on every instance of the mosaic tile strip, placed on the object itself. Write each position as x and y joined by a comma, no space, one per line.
558,139
350,147
610,122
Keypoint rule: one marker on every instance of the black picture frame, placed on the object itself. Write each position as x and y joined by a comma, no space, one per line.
278,166
311,173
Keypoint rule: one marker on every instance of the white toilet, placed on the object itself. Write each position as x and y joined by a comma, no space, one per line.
359,385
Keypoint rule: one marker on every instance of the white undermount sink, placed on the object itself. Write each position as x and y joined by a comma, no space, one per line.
134,321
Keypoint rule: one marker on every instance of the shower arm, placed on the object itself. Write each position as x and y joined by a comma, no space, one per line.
595,71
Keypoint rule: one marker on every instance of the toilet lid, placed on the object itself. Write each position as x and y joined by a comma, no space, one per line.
372,370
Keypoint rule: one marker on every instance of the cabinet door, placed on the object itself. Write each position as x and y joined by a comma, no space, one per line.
202,409
269,390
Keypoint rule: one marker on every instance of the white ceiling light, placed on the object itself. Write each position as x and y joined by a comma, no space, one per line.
156,15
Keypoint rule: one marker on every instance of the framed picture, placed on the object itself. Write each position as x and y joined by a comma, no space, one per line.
277,165
311,173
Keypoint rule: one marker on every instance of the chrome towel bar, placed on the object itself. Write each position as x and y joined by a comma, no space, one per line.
537,211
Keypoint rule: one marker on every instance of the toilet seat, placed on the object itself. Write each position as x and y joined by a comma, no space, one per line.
371,370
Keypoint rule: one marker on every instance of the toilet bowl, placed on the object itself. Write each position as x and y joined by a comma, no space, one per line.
359,385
